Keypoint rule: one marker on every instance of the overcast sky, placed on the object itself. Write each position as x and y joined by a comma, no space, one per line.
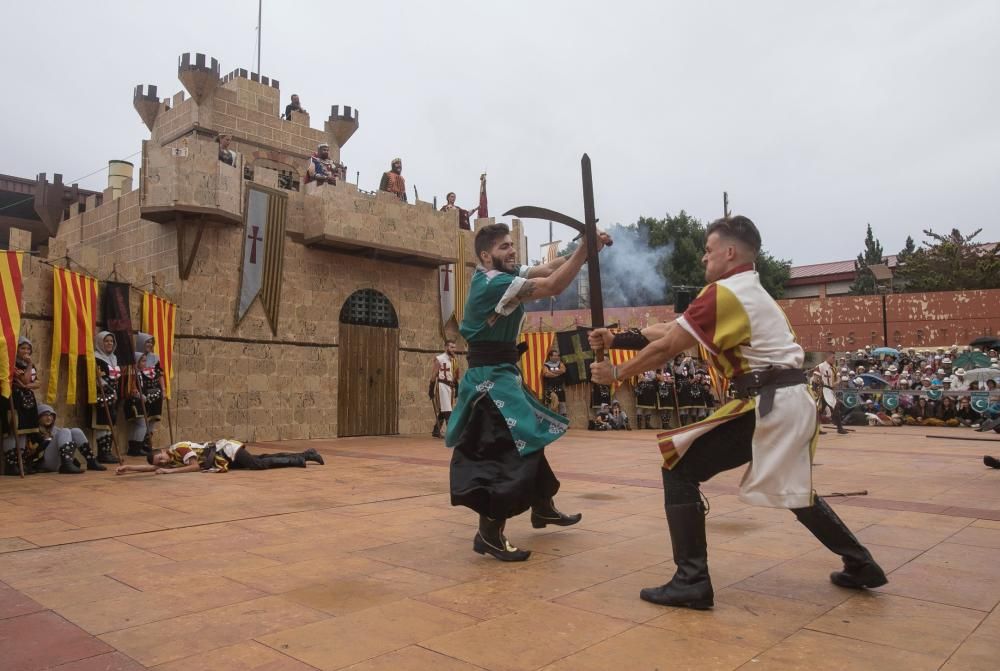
816,117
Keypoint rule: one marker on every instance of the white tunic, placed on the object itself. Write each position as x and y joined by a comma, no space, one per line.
445,381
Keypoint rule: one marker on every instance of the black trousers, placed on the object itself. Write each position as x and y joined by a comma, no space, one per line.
725,447
835,414
258,462
488,474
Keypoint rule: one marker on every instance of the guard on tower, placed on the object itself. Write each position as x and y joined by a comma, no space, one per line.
393,181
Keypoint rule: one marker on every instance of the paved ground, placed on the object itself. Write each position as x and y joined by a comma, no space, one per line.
362,564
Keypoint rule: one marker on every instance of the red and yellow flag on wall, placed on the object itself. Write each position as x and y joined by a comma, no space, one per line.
720,385
539,345
619,357
10,314
74,319
159,316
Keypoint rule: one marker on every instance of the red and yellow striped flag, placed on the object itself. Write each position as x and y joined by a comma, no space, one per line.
720,385
619,357
159,317
10,314
74,319
539,345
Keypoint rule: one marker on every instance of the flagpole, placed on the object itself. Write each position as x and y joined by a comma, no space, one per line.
260,14
13,431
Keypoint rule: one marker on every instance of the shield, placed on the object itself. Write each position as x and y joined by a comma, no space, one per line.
980,401
849,399
829,397
935,394
890,400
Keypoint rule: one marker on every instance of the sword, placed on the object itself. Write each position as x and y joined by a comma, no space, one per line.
589,230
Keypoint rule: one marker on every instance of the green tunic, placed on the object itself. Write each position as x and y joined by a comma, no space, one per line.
494,313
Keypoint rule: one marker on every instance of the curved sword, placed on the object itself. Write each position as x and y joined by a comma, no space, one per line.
533,212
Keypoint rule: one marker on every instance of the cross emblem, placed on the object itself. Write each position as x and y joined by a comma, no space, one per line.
253,249
578,357
447,275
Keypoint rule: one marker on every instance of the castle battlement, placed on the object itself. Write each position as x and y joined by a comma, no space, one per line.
180,224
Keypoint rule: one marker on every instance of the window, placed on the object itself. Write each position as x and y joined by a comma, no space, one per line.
368,307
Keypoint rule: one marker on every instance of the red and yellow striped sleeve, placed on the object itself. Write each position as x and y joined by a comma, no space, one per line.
716,319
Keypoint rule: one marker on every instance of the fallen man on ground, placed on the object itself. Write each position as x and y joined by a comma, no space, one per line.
217,457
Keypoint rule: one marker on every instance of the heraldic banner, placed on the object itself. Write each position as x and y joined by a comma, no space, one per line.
10,314
158,319
263,253
575,352
74,321
117,314
539,345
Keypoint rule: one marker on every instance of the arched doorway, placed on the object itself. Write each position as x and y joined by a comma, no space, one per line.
368,386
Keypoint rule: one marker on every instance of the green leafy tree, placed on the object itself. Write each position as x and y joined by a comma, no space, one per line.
907,250
774,273
685,235
864,281
951,262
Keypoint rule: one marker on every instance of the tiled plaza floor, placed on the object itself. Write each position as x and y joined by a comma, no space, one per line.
362,564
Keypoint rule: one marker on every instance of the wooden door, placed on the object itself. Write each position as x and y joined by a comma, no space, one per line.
368,387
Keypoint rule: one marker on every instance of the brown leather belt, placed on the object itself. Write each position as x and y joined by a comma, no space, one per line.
762,384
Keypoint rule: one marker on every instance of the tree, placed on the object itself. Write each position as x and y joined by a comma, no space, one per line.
907,250
684,236
864,280
952,262
774,273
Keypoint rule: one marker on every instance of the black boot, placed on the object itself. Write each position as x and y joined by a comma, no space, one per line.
147,444
312,455
92,463
490,540
544,513
105,453
282,460
860,569
135,448
66,464
691,586
992,462
664,422
638,421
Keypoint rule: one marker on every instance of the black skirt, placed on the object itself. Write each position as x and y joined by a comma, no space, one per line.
27,410
488,474
4,415
102,417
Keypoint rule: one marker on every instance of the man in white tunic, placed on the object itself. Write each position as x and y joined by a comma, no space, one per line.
771,424
444,382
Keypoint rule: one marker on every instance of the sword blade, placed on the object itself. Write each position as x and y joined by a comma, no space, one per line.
533,212
590,235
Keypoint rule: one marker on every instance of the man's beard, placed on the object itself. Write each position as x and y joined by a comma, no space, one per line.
398,169
500,264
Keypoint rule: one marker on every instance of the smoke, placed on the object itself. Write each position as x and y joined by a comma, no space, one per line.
631,270
631,274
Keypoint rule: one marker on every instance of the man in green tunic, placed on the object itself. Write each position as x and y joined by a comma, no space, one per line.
499,429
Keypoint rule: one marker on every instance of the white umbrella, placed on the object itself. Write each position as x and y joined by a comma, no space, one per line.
980,375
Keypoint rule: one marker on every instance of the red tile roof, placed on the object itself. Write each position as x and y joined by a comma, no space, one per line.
819,270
